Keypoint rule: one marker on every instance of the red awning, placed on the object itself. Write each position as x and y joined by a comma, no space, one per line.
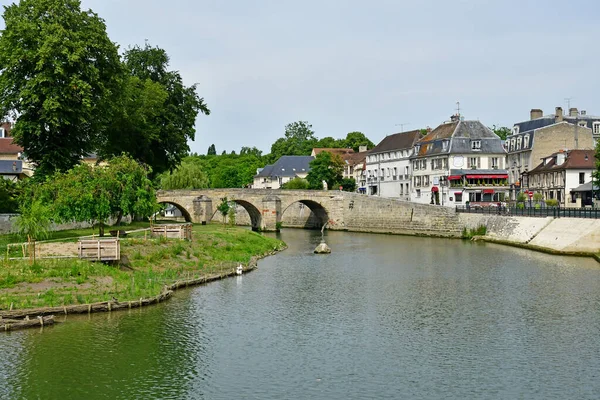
505,176
457,192
488,191
434,189
454,177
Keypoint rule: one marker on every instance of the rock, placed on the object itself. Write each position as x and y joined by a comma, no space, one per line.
322,248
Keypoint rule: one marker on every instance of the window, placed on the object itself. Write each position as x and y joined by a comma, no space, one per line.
418,192
423,164
519,141
512,144
395,171
596,128
2,133
474,162
458,197
526,142
416,166
515,130
494,162
445,145
475,144
581,178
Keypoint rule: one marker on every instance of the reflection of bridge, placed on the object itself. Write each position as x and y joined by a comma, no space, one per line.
345,211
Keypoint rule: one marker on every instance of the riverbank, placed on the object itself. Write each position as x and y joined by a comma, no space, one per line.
149,268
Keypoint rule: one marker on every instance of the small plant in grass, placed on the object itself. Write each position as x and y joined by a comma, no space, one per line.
223,208
467,233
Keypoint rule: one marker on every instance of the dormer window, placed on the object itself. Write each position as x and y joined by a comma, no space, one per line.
417,148
519,141
582,124
515,130
526,142
475,144
445,145
596,128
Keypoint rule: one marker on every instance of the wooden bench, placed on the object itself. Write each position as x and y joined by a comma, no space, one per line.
173,231
99,249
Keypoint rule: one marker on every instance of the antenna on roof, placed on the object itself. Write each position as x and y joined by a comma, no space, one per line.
568,100
402,126
458,108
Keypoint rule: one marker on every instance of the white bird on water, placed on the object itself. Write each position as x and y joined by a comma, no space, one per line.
239,270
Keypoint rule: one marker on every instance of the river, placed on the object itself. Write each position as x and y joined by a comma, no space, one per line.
382,317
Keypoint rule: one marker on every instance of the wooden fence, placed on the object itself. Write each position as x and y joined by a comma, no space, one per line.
173,231
100,249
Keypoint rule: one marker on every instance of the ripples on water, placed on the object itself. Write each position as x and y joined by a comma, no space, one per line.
382,317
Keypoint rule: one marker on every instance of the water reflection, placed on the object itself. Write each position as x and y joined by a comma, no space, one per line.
381,317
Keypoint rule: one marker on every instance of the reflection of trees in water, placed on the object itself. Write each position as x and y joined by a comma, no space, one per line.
150,353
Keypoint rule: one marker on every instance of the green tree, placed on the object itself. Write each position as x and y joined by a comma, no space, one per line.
188,175
164,111
296,184
223,208
212,151
59,73
502,131
330,143
250,151
348,184
356,139
325,167
9,193
299,140
33,221
96,194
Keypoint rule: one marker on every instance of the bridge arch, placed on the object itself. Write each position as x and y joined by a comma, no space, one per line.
184,212
295,214
251,209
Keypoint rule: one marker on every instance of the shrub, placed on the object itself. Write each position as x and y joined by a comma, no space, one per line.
552,203
296,184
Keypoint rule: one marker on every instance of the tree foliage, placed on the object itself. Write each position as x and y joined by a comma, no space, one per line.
212,151
9,193
299,140
325,167
59,73
296,184
356,139
502,131
156,112
348,184
94,195
33,221
224,208
188,175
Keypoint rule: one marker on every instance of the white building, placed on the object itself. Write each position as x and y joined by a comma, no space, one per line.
459,162
388,165
284,170
558,174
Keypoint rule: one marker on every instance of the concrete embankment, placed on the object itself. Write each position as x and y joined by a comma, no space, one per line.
577,236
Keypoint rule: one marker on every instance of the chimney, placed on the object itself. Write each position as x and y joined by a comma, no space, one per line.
583,112
428,129
455,118
536,113
573,112
558,115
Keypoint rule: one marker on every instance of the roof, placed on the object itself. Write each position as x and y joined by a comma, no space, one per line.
397,141
355,158
7,146
287,166
456,138
547,120
11,167
586,187
575,159
339,150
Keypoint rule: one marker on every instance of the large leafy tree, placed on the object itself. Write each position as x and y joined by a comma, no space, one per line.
325,167
188,175
59,73
356,139
299,140
501,131
90,194
156,112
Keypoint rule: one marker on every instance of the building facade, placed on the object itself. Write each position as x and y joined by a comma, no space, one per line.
541,135
459,162
284,170
388,166
560,173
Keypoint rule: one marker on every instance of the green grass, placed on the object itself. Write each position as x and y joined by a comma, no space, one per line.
153,263
481,230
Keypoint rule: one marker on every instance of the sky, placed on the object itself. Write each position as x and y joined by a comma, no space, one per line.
378,66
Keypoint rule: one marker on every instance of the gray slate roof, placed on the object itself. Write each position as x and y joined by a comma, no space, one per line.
287,166
460,134
10,167
397,141
586,187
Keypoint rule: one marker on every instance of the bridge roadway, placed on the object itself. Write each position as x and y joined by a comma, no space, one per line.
343,210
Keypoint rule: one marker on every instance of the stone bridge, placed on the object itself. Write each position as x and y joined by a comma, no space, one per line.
268,209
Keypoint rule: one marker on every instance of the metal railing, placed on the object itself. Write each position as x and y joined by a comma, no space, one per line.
542,212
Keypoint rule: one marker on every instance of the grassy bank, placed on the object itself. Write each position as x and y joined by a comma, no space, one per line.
150,265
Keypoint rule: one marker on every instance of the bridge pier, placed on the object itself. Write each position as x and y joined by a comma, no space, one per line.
202,210
271,213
